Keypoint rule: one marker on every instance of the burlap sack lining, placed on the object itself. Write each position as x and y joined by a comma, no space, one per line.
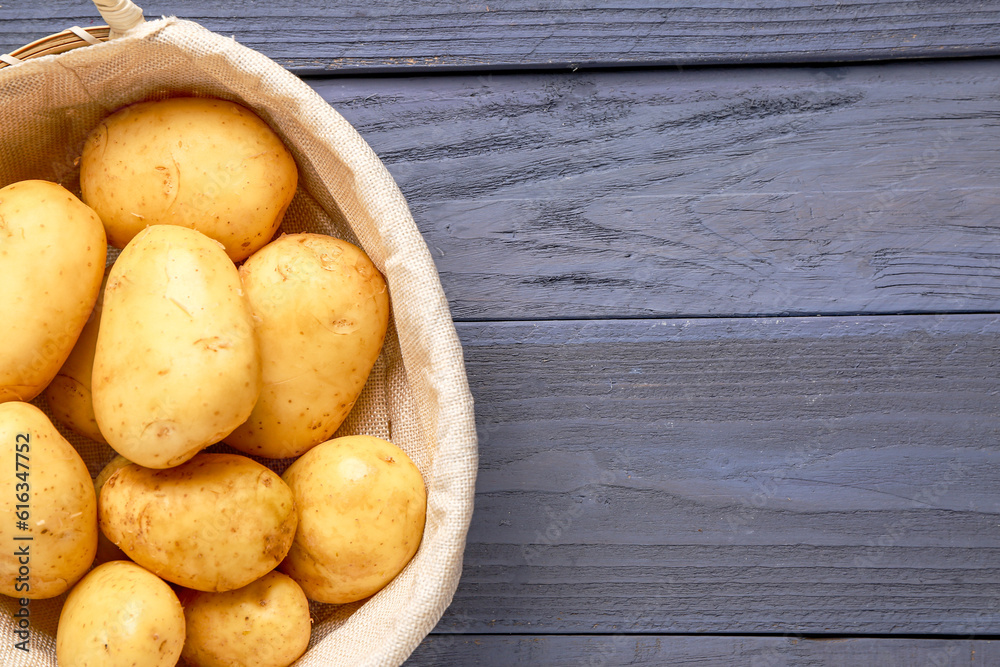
417,395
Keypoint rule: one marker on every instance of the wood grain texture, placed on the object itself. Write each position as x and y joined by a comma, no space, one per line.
867,189
769,475
315,36
802,475
660,650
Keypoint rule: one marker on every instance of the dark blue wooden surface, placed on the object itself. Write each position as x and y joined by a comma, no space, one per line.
733,331
323,37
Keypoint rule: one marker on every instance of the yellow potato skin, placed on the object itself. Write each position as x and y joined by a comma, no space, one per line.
361,504
263,624
120,615
113,466
106,550
176,366
69,395
205,164
61,506
52,253
215,523
321,309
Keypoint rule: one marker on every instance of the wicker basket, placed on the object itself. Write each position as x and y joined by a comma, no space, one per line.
121,15
418,394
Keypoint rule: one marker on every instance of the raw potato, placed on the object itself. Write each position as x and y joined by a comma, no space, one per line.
120,615
47,486
113,466
361,503
206,164
215,523
176,367
242,627
321,310
68,395
52,252
107,551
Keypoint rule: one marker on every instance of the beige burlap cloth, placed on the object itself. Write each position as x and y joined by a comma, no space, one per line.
417,395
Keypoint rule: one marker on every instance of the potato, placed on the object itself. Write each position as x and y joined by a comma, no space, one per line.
321,310
52,252
68,395
205,164
215,523
120,615
46,496
361,504
113,466
107,551
176,366
243,627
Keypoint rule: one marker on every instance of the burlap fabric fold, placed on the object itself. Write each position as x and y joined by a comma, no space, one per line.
417,395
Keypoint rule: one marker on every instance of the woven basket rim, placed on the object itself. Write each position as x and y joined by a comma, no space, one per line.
60,42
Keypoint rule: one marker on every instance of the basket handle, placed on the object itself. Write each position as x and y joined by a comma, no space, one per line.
121,15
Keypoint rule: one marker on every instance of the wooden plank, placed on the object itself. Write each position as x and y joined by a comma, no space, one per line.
315,36
659,650
713,192
801,475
